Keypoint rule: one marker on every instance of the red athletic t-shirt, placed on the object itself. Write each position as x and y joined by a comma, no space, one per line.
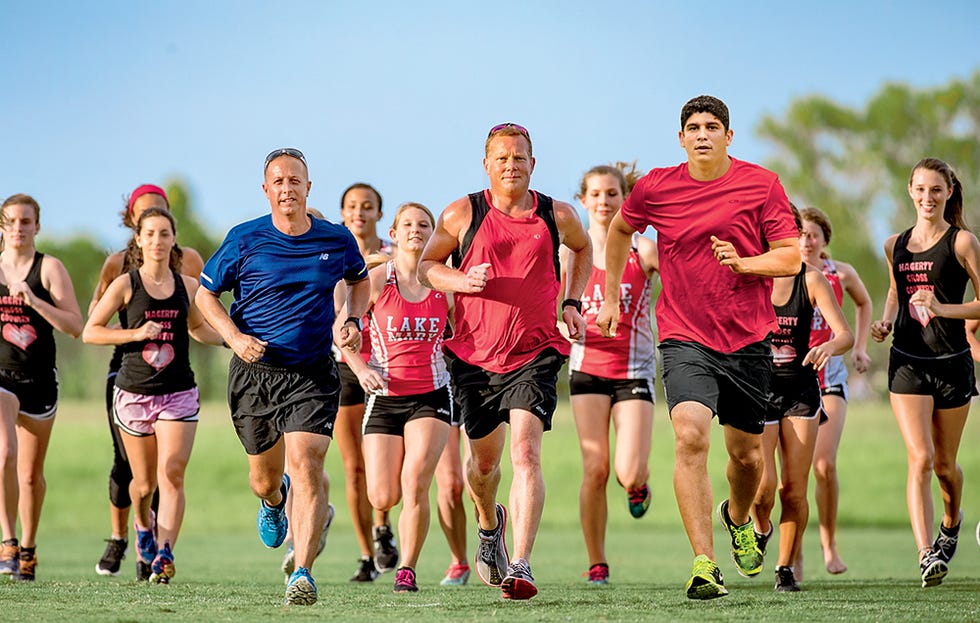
515,317
702,301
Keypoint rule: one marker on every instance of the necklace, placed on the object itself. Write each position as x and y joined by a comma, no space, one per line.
159,283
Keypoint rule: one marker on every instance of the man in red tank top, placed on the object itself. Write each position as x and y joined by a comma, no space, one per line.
724,229
506,350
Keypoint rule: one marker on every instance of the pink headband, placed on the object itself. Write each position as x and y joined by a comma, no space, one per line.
146,189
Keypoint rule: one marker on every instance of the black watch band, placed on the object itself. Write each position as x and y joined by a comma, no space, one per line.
356,321
577,304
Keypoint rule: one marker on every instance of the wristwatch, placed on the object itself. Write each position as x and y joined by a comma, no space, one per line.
577,304
356,321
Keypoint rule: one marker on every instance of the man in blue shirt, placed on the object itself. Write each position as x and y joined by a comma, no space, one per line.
283,386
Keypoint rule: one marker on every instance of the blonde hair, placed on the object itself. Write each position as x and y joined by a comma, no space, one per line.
624,172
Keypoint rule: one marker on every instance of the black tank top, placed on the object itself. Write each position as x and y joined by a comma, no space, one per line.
28,339
917,332
791,341
160,366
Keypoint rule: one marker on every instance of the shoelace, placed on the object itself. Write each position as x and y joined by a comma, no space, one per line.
704,567
519,567
944,542
598,573
270,518
638,496
405,576
745,538
116,548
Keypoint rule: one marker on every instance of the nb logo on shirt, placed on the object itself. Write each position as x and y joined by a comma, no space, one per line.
324,256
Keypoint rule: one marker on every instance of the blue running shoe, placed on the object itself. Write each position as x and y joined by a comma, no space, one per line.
146,545
301,589
162,568
271,521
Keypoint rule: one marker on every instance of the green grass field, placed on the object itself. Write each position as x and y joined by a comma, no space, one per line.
224,573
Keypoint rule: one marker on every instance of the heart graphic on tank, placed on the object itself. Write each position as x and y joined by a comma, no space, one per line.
158,355
783,355
20,335
921,313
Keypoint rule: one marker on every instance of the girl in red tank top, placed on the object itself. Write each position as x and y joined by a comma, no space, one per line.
612,378
408,413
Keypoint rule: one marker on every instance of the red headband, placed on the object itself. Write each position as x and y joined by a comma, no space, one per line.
146,189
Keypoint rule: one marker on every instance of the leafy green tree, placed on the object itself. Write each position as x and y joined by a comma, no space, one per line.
78,362
209,363
854,163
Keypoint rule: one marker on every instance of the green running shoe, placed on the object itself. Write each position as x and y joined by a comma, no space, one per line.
639,501
706,580
745,551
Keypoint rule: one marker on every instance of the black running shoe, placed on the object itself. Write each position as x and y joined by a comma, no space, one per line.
385,550
405,581
786,581
115,552
365,571
933,569
761,540
945,544
143,571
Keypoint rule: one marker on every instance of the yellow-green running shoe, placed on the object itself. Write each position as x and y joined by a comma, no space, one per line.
745,551
706,580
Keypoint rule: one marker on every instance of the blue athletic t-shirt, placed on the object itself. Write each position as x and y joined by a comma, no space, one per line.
284,285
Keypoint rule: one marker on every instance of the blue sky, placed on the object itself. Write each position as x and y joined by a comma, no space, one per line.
102,96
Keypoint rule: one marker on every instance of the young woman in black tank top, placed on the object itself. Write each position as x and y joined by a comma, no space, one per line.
155,399
930,372
794,411
188,262
36,297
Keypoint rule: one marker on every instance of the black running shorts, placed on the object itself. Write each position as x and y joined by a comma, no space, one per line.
618,390
951,381
36,391
794,399
351,392
388,415
486,398
735,386
267,401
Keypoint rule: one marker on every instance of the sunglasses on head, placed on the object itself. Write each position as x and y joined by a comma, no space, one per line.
285,151
504,126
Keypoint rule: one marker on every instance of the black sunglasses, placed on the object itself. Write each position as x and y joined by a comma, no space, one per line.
284,151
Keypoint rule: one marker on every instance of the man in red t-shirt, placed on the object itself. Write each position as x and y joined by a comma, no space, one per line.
506,350
724,229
